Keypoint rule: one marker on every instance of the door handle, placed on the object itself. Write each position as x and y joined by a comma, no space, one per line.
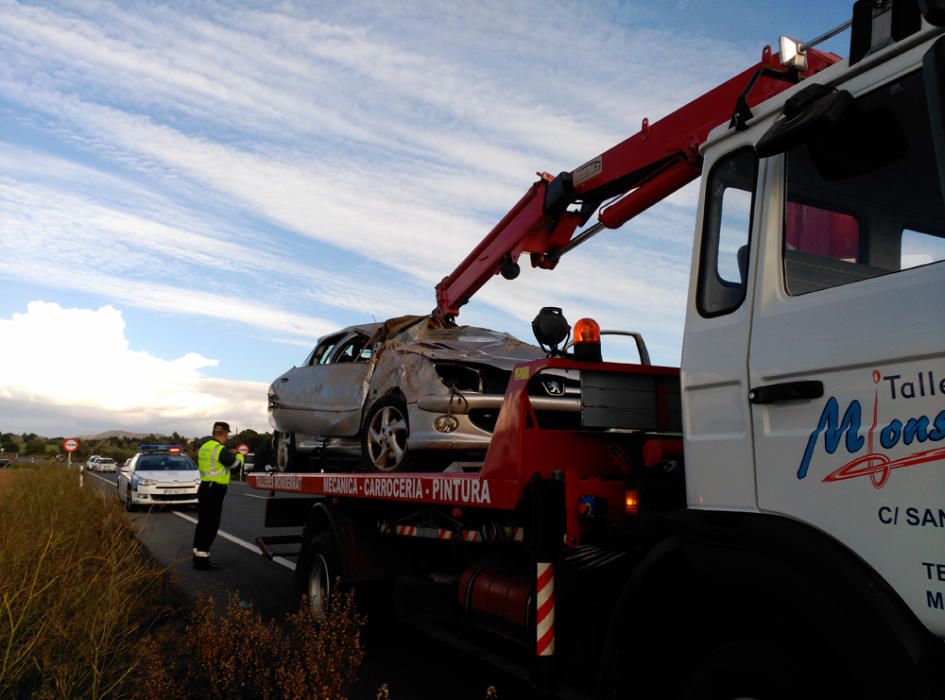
283,379
787,391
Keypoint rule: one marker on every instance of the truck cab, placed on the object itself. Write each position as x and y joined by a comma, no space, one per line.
813,366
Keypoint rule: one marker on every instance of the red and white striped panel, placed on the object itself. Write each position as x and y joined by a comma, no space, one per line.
433,533
545,609
516,534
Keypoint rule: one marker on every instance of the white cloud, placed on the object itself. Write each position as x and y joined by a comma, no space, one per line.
118,241
298,167
79,362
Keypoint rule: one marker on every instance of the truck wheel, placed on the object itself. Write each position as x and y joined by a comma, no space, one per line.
322,572
285,452
755,668
385,434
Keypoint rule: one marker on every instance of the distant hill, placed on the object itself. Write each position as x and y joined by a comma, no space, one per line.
115,434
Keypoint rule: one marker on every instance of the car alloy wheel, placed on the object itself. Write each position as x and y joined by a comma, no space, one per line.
285,454
385,438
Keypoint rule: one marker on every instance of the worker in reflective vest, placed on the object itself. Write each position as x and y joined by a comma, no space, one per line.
214,460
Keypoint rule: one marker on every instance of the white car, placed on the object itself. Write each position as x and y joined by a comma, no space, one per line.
105,464
91,462
159,475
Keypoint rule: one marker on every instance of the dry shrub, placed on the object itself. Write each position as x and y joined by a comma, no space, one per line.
76,592
241,655
323,657
79,603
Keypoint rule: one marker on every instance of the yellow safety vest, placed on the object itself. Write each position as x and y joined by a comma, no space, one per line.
209,465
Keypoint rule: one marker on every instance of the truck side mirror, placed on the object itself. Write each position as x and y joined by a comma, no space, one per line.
933,72
813,110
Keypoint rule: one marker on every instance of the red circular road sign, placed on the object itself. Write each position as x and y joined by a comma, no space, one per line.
70,444
243,449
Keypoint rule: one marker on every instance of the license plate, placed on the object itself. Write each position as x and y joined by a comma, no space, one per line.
174,491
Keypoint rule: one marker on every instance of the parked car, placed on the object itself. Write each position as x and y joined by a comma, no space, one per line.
6,463
394,395
91,462
158,475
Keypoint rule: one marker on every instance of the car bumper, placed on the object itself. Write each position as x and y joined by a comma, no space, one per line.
475,415
463,404
156,496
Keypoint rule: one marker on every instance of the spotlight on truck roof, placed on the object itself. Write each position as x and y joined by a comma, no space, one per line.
551,328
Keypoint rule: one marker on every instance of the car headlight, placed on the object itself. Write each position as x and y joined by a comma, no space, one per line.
137,481
459,377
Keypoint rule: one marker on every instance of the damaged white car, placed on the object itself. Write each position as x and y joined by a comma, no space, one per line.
396,395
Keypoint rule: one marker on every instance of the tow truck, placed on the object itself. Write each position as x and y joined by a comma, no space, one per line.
767,520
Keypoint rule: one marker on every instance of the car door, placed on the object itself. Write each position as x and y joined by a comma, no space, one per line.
124,478
289,400
847,348
325,397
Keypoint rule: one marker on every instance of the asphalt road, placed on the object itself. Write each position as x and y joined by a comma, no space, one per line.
414,665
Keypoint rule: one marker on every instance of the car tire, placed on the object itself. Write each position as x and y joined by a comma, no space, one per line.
129,506
286,457
384,438
320,573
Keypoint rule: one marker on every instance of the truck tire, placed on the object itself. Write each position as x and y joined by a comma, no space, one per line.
385,436
322,572
286,458
757,668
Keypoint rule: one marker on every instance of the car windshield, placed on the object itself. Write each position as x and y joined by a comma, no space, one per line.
155,463
107,460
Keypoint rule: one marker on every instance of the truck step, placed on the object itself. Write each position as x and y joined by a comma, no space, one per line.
590,558
264,543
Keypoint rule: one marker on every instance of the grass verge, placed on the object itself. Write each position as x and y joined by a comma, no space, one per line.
84,612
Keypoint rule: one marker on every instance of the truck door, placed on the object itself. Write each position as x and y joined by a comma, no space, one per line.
714,373
847,348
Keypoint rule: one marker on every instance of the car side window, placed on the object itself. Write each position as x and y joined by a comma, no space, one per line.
323,350
350,350
726,233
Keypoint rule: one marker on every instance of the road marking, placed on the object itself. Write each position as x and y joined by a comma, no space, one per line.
242,543
225,535
110,483
253,495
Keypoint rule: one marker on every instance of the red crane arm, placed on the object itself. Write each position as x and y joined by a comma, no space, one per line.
645,168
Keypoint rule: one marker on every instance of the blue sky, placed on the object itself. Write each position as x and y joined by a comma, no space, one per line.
191,193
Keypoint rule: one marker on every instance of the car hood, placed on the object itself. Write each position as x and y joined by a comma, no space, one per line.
464,344
187,475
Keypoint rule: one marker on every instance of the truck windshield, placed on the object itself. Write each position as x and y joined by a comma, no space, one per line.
865,200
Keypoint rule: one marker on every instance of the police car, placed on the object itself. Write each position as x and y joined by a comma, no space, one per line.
159,475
